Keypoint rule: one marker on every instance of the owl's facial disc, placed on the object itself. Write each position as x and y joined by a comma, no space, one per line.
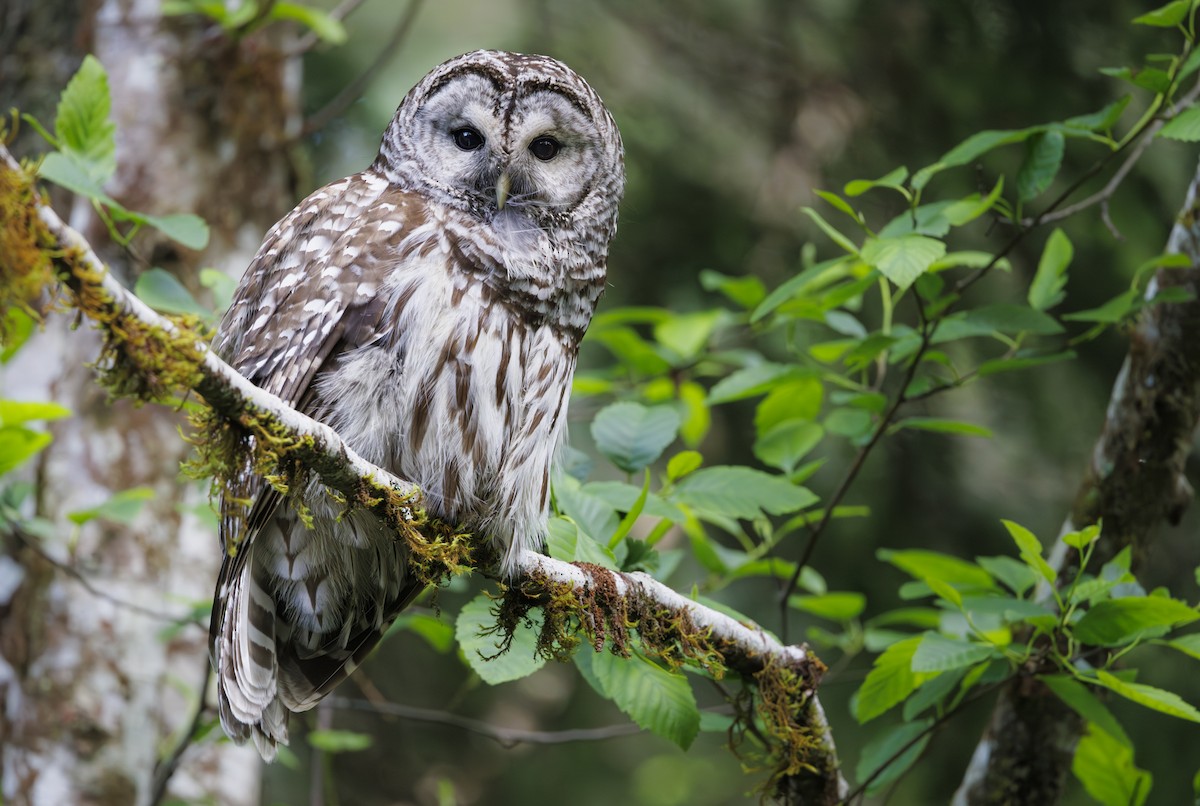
496,146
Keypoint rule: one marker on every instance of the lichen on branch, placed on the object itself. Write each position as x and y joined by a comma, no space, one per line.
149,357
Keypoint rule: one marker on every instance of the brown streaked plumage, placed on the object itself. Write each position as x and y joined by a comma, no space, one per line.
429,309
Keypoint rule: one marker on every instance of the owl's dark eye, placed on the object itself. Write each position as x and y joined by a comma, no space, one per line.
544,148
467,139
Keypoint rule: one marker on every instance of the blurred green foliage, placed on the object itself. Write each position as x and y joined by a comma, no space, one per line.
734,115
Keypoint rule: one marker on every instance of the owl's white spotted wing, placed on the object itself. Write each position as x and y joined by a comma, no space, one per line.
310,295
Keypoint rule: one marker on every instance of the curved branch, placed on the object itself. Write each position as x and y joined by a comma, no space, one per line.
786,674
507,737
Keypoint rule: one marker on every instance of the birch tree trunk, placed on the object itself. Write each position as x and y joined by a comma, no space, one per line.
94,696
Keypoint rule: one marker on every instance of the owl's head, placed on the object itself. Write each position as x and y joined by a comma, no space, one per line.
491,131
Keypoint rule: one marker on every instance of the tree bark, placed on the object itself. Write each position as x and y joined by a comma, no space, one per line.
94,696
1135,480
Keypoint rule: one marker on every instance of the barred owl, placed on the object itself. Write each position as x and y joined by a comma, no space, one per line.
429,309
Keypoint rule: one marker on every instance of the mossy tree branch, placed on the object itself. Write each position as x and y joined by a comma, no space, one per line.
148,356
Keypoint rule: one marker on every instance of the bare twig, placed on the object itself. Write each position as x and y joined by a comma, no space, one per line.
74,573
1102,196
166,768
508,737
351,92
860,459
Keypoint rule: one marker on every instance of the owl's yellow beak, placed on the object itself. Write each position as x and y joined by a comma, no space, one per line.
502,187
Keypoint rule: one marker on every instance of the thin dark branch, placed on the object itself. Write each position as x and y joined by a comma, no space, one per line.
1102,196
166,768
352,91
31,543
507,737
815,532
936,725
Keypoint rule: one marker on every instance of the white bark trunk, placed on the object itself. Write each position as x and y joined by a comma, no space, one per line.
93,695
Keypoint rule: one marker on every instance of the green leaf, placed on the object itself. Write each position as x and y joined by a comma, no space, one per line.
802,284
16,330
1031,550
892,181
697,418
632,435
82,122
1047,288
1043,157
833,233
1187,644
339,741
836,606
327,28
926,565
937,653
749,382
798,399
222,287
943,426
1189,66
1084,702
741,492
65,171
121,508
624,497
838,203
787,443
631,350
1005,609
746,291
654,698
632,512
1020,362
476,634
160,290
1167,16
926,219
967,210
1082,538
902,260
189,230
1156,699
932,692
687,334
1103,120
567,542
889,682
1105,768
19,444
15,412
999,318
683,463
436,632
885,749
1118,621
1184,126
1150,78
1014,574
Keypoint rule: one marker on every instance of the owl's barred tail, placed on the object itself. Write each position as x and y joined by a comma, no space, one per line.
244,656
